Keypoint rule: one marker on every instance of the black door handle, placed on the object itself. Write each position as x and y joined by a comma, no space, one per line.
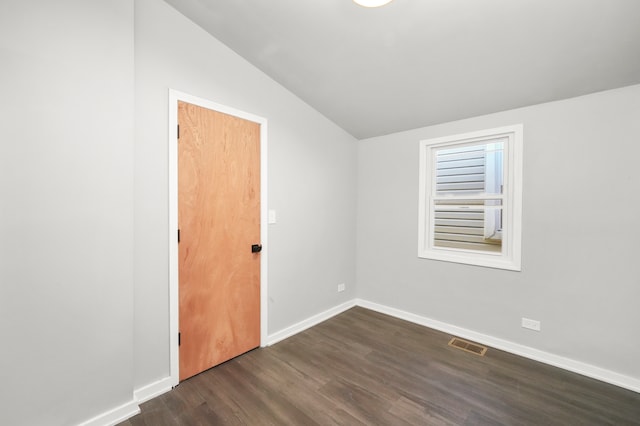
256,248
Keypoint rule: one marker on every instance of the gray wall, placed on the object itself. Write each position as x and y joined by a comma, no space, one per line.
83,236
311,180
71,230
66,215
580,266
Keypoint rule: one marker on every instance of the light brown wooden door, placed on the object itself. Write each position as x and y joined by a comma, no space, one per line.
219,221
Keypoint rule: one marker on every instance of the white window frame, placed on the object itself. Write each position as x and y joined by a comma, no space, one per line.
510,256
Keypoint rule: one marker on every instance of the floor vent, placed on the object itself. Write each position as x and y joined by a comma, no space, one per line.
474,348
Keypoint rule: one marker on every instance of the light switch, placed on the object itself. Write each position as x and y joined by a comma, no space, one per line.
272,216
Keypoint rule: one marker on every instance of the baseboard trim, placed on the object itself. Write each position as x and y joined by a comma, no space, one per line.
309,322
578,367
114,416
154,389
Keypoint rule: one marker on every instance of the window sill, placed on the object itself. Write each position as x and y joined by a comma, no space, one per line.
496,261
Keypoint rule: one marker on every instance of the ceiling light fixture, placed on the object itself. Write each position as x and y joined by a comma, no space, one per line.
372,3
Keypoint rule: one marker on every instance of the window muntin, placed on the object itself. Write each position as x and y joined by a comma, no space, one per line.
470,196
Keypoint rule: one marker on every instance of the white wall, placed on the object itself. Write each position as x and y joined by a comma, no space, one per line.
580,266
311,180
66,215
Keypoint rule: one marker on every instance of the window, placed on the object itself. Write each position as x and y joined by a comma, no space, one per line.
471,198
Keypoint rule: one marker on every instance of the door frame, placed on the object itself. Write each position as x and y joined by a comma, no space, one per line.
174,97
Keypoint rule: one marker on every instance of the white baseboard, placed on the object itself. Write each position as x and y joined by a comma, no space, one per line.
154,389
309,322
579,367
145,393
130,409
114,416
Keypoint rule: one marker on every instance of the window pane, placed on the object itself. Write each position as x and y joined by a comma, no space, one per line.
468,225
493,167
470,169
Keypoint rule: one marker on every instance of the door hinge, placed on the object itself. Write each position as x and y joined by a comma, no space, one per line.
178,131
179,334
178,235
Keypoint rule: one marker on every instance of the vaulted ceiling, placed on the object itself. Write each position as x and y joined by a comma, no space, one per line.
415,63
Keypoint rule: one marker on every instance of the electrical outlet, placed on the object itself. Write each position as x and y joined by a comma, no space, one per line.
531,324
341,287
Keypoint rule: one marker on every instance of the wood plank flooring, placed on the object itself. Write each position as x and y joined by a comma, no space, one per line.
365,368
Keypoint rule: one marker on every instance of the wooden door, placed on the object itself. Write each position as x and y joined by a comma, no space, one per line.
219,221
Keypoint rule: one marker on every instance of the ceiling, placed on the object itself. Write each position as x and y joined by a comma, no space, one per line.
415,63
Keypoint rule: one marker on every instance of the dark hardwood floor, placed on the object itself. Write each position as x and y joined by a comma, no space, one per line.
365,368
